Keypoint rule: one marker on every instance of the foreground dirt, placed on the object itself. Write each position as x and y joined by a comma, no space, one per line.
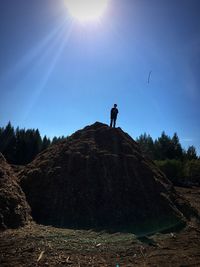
37,245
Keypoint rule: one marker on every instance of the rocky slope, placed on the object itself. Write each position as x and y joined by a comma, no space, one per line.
98,178
14,210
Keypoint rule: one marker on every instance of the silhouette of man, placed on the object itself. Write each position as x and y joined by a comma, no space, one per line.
113,116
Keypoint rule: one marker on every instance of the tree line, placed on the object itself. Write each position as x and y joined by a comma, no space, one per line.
181,166
20,146
165,147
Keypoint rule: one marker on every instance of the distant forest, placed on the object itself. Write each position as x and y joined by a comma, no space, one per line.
181,166
20,147
165,147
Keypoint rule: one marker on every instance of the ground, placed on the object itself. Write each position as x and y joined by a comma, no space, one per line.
37,245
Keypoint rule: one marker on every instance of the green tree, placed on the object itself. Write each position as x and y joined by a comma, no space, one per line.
20,149
163,147
45,143
146,144
55,140
191,153
173,169
177,151
192,172
8,142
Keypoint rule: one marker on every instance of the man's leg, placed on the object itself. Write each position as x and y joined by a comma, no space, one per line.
114,122
111,122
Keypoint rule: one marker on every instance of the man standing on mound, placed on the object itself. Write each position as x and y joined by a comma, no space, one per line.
113,116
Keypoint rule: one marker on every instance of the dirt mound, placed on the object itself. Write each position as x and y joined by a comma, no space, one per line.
14,210
98,178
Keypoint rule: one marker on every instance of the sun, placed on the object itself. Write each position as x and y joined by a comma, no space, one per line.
86,10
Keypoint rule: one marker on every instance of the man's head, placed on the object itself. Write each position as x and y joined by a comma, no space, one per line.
115,105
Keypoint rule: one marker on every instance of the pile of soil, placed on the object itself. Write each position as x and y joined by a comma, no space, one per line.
38,245
98,178
14,209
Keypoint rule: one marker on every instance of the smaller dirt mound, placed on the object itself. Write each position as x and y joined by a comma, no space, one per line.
14,210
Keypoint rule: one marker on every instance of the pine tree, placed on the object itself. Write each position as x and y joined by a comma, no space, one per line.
8,142
54,140
163,147
147,145
191,153
177,149
45,143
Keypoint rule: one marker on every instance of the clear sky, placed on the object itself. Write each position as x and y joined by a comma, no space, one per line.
58,74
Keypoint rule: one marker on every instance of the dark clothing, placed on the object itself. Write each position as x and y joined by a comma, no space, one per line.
113,117
113,122
113,113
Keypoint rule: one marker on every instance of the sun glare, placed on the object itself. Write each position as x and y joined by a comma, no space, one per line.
86,10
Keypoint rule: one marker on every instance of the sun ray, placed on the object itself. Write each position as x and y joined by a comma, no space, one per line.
33,53
41,85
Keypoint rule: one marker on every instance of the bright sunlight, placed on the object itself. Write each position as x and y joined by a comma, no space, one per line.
86,10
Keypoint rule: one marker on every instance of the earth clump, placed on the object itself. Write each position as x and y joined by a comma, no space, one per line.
14,209
98,178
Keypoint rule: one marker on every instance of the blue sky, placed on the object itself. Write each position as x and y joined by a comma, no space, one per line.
59,75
